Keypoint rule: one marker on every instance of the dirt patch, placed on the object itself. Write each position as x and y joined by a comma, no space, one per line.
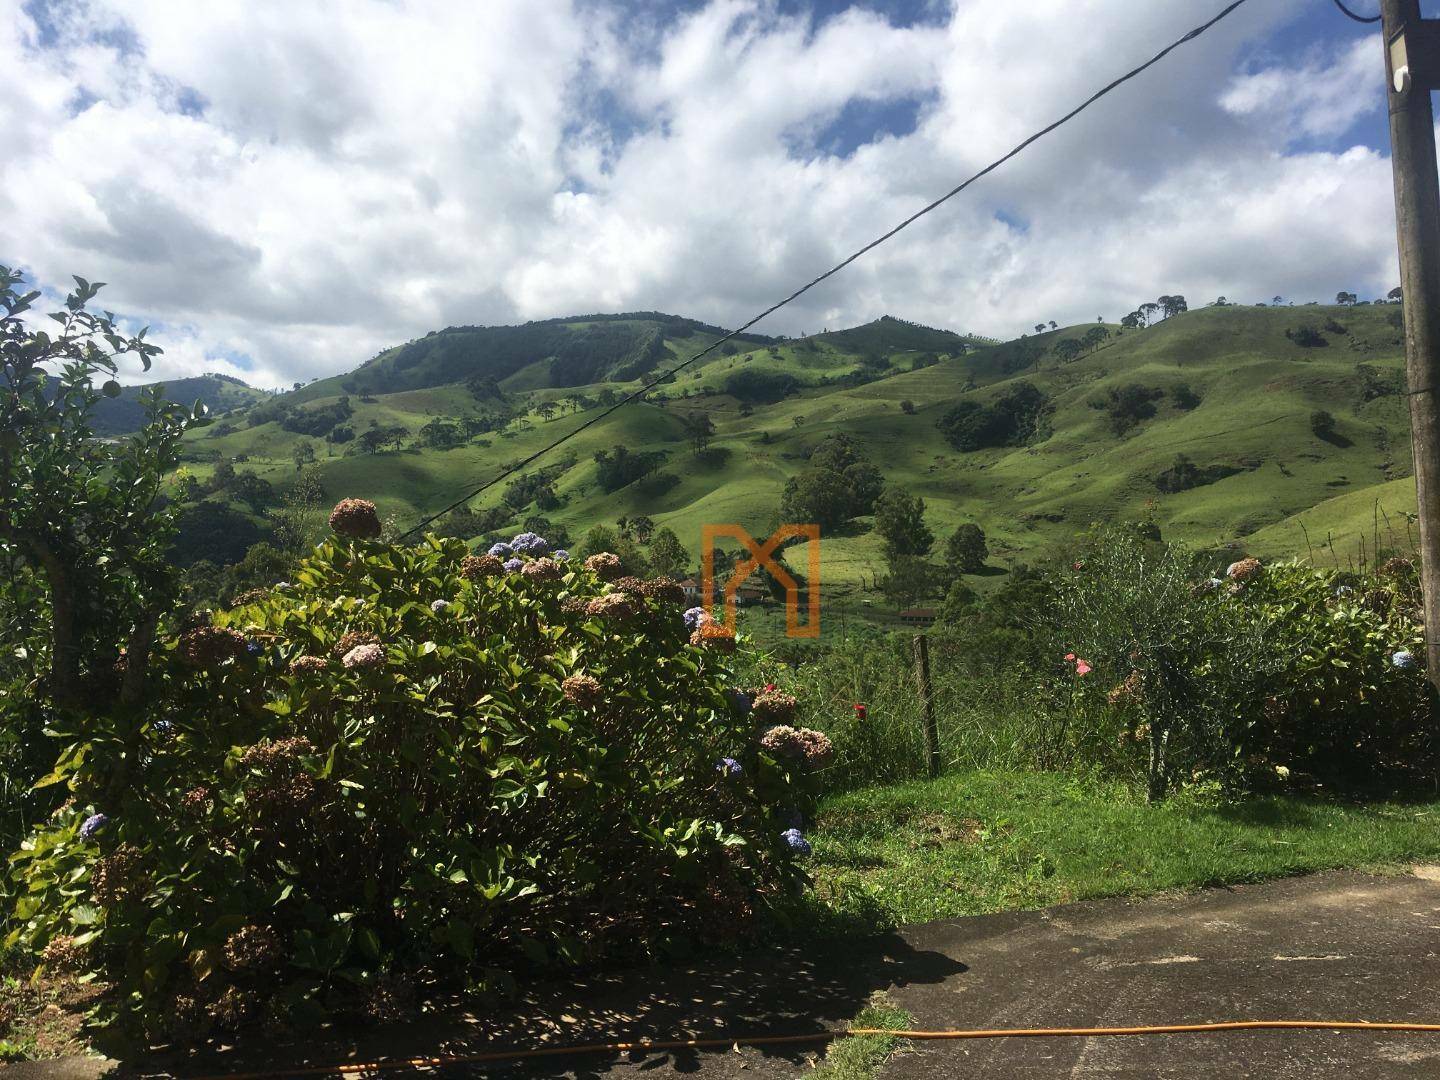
937,830
41,1017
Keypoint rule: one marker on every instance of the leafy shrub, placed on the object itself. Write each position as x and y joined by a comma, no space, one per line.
754,386
1307,337
1322,423
411,761
1184,397
1377,383
1281,666
1184,474
1017,416
1128,405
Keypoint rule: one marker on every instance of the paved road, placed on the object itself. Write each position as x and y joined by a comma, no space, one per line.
1339,946
1333,947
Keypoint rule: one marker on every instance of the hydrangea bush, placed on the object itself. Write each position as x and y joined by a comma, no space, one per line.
1261,671
414,763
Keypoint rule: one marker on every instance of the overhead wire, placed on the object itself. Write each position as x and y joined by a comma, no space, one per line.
671,373
1358,18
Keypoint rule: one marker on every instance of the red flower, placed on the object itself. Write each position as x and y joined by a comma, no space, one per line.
859,711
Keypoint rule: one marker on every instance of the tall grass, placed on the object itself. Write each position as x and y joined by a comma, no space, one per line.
987,716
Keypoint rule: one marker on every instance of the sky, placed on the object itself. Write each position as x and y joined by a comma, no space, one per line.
282,190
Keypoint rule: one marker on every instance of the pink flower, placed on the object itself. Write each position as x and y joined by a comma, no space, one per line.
1082,668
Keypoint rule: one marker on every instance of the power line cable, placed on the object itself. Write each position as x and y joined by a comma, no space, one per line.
646,388
1358,18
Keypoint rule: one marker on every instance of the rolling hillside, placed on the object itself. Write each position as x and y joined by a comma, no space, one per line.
1221,448
219,393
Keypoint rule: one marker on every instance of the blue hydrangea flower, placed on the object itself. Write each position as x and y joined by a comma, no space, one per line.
561,554
795,840
254,648
438,606
501,549
1404,659
513,565
93,824
692,618
729,766
529,543
740,701
1343,590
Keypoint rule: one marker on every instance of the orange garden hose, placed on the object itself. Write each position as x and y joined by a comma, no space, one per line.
647,1045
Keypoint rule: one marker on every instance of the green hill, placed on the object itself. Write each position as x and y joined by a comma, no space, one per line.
1202,423
218,393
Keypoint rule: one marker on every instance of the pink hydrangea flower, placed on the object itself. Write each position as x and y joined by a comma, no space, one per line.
364,656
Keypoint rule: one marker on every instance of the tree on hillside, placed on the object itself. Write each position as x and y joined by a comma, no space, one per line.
1171,306
1277,300
1068,350
1039,328
816,496
910,580
440,434
667,555
303,454
699,429
1128,405
547,409
1148,312
597,539
1322,424
959,603
255,491
866,482
966,550
900,521
1184,397
1053,325
640,527
484,387
907,407
1345,299
1395,295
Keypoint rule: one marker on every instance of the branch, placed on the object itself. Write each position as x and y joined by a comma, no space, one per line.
64,649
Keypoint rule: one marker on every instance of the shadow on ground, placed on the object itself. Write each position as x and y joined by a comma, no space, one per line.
781,992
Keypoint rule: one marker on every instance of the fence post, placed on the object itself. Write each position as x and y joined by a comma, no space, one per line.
927,705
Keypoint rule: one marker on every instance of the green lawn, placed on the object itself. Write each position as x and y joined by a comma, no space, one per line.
973,843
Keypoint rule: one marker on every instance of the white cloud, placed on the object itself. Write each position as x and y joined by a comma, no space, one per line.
1320,98
359,172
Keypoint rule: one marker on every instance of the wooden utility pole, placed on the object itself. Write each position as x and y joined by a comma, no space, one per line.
1412,66
927,705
